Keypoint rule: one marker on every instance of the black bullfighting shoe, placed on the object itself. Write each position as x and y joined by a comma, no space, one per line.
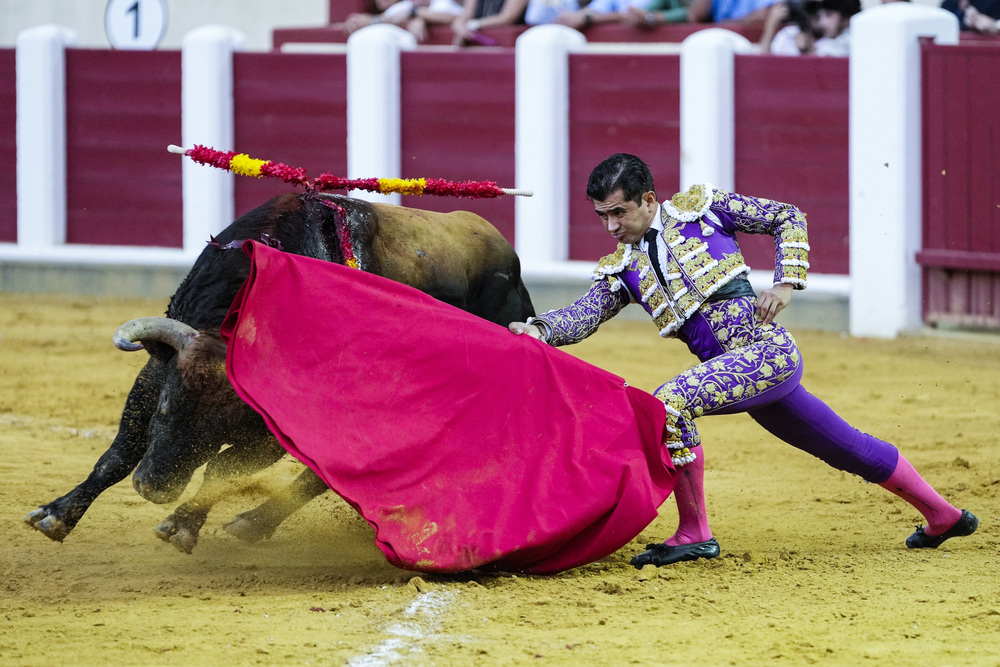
662,554
966,525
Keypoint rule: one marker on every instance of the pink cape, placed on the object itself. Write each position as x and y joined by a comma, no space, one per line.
463,445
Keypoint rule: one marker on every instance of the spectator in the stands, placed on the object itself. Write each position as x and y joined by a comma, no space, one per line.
976,15
834,22
546,11
413,15
658,11
790,28
640,14
600,11
707,11
479,14
821,28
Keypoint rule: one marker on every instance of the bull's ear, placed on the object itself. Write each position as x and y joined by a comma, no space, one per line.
159,351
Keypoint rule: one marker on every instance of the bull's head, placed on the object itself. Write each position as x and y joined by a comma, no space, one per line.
197,411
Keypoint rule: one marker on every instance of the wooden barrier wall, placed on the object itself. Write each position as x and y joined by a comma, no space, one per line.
458,124
290,108
961,232
8,147
619,104
792,146
122,109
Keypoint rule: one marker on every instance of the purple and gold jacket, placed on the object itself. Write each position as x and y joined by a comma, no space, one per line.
697,254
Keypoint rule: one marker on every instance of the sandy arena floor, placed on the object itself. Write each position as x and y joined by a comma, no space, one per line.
813,571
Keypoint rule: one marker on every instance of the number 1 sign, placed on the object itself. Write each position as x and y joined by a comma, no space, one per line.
135,24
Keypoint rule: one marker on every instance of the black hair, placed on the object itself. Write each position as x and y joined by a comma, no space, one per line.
621,171
846,8
803,14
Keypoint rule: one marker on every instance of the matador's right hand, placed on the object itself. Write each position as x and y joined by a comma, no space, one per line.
521,328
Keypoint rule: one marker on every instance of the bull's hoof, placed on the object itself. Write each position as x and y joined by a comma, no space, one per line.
248,528
182,538
47,524
184,541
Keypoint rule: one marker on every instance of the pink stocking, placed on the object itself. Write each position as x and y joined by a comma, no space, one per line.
692,525
907,483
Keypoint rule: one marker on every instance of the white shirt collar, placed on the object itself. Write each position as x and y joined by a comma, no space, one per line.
657,224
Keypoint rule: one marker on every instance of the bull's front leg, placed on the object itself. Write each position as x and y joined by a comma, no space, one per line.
57,519
223,475
261,522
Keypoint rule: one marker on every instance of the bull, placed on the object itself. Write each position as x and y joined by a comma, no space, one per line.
181,411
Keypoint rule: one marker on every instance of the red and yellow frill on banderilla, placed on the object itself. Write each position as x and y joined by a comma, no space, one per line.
244,165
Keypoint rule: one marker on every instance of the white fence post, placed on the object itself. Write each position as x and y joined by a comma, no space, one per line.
541,163
41,136
708,130
373,105
207,119
885,163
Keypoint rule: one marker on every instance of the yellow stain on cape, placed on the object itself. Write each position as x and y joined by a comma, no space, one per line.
415,526
248,328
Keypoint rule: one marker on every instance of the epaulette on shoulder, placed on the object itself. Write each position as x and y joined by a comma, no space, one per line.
613,263
691,205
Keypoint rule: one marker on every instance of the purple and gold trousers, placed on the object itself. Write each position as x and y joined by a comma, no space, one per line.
750,367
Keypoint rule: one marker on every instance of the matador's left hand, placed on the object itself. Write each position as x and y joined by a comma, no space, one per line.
772,301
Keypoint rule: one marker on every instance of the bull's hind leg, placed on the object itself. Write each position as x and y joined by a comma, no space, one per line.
261,522
225,473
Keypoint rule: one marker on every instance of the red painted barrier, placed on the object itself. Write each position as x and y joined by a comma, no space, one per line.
961,170
290,108
458,124
619,104
792,146
123,108
8,147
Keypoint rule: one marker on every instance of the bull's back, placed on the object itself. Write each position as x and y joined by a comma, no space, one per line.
457,257
413,242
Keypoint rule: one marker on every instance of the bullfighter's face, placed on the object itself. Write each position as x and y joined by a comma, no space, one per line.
626,221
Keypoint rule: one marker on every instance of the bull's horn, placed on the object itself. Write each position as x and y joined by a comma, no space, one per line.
162,329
